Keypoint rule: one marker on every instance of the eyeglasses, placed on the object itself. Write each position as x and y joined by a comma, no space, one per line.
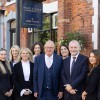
49,47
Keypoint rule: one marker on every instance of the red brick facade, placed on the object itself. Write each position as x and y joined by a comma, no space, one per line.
76,15
73,15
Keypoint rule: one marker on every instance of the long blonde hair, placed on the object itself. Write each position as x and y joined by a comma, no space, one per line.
29,51
10,52
2,68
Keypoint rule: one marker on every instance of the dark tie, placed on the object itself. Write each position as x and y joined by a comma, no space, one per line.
73,63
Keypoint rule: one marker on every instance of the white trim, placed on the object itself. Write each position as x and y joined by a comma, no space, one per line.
11,2
54,21
95,24
50,7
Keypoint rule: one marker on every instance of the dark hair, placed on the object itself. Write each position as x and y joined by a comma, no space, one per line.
66,47
33,46
97,56
2,49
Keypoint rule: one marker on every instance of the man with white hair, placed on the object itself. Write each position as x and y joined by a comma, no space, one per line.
47,74
74,72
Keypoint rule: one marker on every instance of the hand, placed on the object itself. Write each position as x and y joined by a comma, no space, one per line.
84,95
68,87
29,91
11,91
36,94
60,95
72,91
26,93
7,94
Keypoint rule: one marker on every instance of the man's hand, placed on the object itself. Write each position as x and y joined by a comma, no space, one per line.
36,94
68,87
84,95
11,91
7,94
72,91
60,95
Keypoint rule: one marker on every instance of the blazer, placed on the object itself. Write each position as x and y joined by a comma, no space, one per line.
92,83
78,76
39,65
18,78
5,83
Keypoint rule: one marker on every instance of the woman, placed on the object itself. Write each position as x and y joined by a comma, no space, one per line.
91,90
23,76
64,51
13,54
5,77
36,49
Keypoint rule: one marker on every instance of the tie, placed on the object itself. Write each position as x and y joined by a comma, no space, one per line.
73,63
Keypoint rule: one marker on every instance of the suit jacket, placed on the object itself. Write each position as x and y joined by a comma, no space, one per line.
18,78
5,83
78,76
92,83
39,73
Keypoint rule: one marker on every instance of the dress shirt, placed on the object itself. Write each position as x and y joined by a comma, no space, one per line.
72,58
48,60
26,70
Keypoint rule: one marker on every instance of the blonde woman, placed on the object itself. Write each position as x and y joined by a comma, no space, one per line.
23,76
13,54
5,77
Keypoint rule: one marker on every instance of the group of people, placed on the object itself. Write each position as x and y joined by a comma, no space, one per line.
41,74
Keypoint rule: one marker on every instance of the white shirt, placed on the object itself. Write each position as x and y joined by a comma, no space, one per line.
71,60
48,60
26,70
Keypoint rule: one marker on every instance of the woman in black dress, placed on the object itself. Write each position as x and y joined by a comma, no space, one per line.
92,82
5,77
23,76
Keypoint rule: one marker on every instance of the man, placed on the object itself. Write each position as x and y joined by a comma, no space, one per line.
74,72
47,74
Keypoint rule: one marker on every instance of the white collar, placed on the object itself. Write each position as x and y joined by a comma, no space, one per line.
46,56
75,56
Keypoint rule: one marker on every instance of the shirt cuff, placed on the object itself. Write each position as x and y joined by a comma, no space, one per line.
22,92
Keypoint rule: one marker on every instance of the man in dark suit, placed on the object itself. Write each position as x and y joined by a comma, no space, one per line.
47,74
74,72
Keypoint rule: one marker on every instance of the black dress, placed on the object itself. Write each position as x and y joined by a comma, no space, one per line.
5,82
92,83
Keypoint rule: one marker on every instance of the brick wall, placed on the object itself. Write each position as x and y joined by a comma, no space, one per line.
82,13
23,37
76,15
64,16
